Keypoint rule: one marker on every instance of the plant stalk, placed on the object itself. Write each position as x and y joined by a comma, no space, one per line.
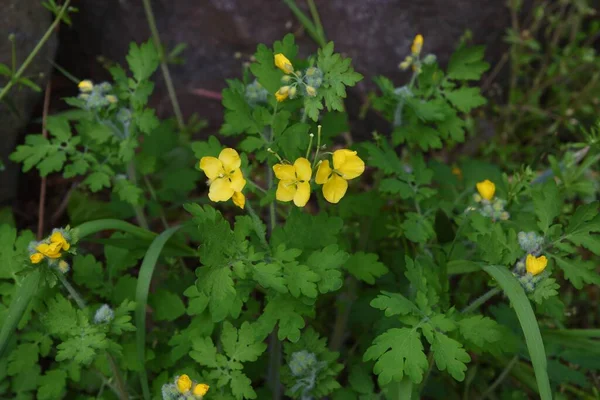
481,300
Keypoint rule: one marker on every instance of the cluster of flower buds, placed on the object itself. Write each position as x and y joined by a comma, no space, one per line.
489,205
304,363
256,93
104,314
530,242
414,59
529,270
296,82
52,249
183,388
96,96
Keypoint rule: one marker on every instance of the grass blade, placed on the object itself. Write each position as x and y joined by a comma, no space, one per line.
513,290
141,299
17,308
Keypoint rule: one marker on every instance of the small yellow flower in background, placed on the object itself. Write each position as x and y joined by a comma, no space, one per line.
201,389
406,63
51,250
417,44
224,174
184,383
239,199
283,63
85,86
294,181
282,93
346,165
57,237
457,172
111,98
486,189
535,265
311,91
36,258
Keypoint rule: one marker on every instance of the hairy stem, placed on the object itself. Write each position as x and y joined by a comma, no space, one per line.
163,64
139,211
78,299
481,300
500,378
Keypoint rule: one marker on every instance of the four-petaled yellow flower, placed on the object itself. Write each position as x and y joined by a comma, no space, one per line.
486,189
36,258
86,86
57,237
417,44
346,165
225,176
283,63
294,181
535,265
184,383
51,250
201,389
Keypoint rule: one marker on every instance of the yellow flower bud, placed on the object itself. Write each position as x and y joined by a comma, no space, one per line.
283,63
284,89
486,189
86,86
286,79
184,383
36,258
417,44
281,96
111,98
292,92
535,265
201,389
311,91
63,266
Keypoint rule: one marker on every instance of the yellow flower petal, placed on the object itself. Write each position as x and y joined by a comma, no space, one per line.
237,180
36,258
335,188
281,96
231,160
348,163
85,86
57,237
283,63
239,199
303,169
535,265
417,44
51,250
212,167
302,194
220,190
486,189
285,172
201,389
285,191
323,172
184,383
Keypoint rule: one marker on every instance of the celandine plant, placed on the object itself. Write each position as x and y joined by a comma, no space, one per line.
315,266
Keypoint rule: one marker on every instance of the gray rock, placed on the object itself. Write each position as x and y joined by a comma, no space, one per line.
28,20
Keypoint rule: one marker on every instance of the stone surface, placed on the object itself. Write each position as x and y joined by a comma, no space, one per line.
28,21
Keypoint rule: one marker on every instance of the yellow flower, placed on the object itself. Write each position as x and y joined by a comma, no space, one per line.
282,93
239,199
111,98
224,174
486,189
417,44
57,237
283,63
535,265
184,383
201,389
346,165
51,250
294,181
86,86
458,172
36,258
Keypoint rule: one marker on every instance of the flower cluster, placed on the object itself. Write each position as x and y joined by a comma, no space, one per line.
414,59
96,96
225,177
304,366
51,249
530,242
256,93
490,206
183,388
529,271
104,314
295,82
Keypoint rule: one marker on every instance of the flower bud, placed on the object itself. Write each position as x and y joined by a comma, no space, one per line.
283,63
86,86
417,44
311,91
104,314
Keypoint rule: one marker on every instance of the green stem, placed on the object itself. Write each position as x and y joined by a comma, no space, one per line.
163,219
36,50
78,299
316,19
500,378
402,390
481,300
118,377
306,22
163,64
139,211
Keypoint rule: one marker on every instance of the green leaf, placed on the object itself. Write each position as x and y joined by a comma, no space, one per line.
578,271
270,276
35,149
544,290
52,385
327,263
146,120
217,284
365,267
205,352
467,63
61,317
97,180
466,98
87,271
286,311
514,291
143,60
301,280
417,228
398,352
241,386
547,204
427,111
59,128
299,231
264,68
449,355
393,304
240,345
83,347
167,305
23,358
